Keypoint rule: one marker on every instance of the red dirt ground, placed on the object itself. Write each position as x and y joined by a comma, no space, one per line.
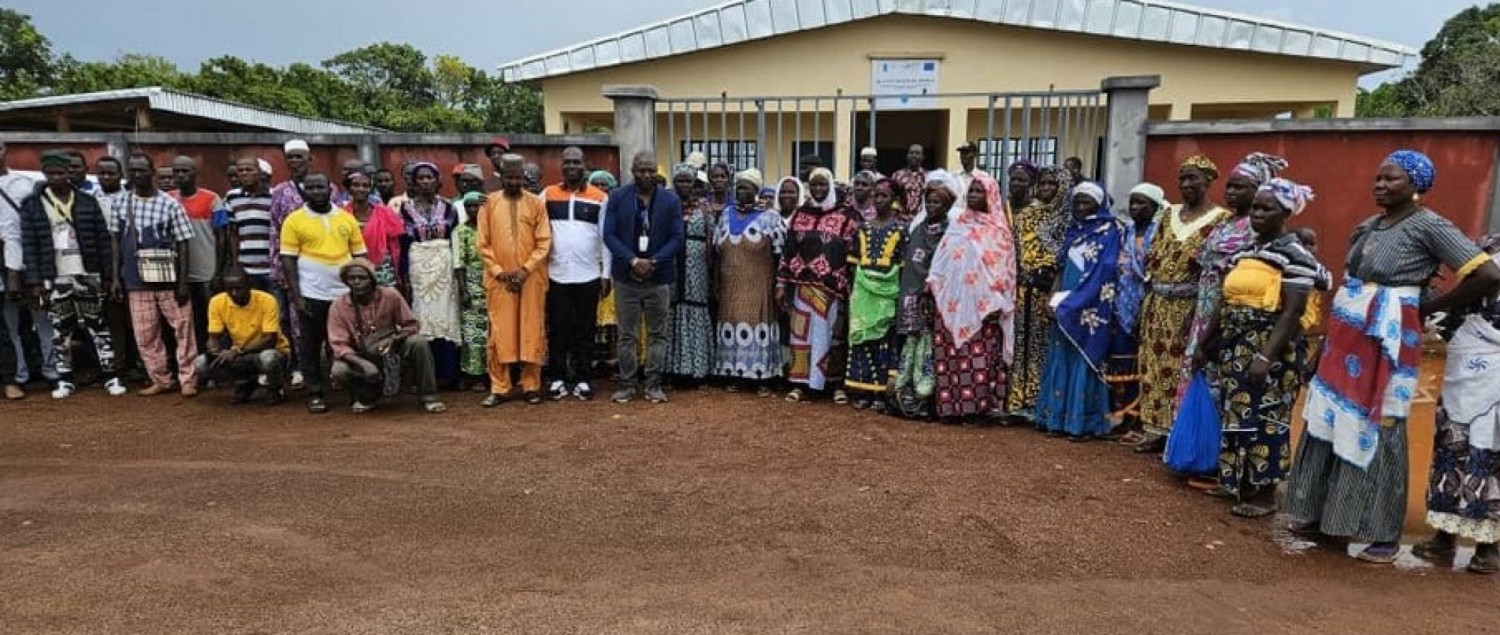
713,514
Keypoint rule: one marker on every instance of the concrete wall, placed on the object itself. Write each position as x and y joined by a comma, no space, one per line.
977,57
214,152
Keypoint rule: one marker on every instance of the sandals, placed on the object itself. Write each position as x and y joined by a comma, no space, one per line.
1484,564
1251,510
1152,444
317,406
796,396
1380,553
1082,438
434,407
361,407
763,391
1435,550
860,404
533,398
1133,437
491,400
732,388
1204,484
840,397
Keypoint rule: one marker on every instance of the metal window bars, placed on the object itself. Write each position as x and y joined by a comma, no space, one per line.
772,132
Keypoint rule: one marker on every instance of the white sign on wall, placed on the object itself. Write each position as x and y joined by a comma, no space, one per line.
905,81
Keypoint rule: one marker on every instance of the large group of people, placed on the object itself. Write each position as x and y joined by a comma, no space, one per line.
927,294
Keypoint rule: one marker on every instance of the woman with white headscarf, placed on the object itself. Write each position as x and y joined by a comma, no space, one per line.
692,353
1074,399
915,383
1146,205
748,244
973,284
813,284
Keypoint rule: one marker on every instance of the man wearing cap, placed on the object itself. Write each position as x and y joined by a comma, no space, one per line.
869,161
15,188
208,215
250,223
316,240
470,179
967,154
156,287
375,344
579,273
514,241
68,270
498,147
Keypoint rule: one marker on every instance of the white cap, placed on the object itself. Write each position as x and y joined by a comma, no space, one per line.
868,152
295,144
265,166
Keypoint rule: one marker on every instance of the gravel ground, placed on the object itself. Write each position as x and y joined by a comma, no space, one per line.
713,514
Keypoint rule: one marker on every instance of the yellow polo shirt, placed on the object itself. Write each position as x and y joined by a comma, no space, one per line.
248,323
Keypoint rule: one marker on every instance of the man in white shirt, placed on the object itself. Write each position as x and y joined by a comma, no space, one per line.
967,154
14,371
578,269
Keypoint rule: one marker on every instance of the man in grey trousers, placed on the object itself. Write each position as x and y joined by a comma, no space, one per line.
644,233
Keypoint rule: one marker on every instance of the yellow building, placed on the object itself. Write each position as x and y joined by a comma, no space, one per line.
760,82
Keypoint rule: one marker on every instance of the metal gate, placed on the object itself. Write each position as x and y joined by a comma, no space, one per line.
772,133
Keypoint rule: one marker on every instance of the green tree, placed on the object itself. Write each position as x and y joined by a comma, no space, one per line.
1457,76
26,62
131,70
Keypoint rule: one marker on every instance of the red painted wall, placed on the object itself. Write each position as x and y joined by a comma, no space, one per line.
1340,167
213,160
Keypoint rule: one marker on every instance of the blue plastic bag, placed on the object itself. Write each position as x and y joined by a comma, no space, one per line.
1193,446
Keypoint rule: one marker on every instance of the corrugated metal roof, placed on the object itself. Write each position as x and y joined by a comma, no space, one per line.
192,105
1149,20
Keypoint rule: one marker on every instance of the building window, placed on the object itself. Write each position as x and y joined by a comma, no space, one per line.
738,154
994,152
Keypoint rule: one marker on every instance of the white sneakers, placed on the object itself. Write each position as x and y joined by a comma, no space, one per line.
115,387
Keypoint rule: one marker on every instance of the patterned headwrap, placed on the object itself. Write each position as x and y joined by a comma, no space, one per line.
1202,164
1024,165
1416,166
1153,193
1260,167
1290,194
684,168
603,176
867,176
832,199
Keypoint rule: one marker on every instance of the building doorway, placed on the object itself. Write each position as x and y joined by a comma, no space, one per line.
896,131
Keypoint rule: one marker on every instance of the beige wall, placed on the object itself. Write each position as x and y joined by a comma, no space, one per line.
976,57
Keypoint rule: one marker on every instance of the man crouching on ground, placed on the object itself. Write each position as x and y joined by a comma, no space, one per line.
376,348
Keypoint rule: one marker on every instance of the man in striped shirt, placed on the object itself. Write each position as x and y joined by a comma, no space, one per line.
250,221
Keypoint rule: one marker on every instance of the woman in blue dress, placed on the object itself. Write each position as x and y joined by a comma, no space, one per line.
1075,397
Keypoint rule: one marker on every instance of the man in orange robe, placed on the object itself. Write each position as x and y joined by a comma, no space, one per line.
515,239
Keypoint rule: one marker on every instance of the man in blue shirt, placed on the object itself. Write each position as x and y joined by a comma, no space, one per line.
644,233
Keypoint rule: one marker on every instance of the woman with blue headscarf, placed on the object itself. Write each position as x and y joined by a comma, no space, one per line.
1074,397
1349,476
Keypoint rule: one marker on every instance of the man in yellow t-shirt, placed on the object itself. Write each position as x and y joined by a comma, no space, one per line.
249,322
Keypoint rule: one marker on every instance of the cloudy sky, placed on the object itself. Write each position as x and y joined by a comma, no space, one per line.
487,33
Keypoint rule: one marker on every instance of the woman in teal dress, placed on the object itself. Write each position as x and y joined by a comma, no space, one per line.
1075,397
